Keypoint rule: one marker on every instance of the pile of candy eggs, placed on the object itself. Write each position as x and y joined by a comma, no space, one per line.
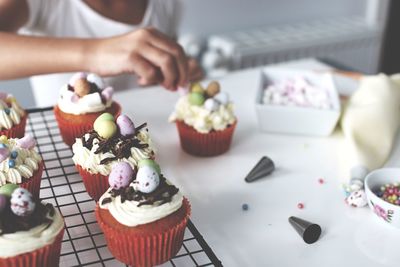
390,193
210,98
107,127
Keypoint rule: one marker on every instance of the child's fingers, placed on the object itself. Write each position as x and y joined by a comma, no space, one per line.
166,62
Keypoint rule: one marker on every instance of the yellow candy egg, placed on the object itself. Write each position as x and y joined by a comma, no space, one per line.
106,129
3,139
103,117
197,88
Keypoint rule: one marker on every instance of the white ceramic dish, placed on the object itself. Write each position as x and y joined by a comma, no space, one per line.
292,119
384,210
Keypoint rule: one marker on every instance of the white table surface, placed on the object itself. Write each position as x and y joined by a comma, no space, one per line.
262,235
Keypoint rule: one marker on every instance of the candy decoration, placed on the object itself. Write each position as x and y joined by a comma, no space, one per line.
357,199
8,189
96,79
74,98
321,181
245,207
107,93
4,153
22,203
196,99
211,104
3,203
222,98
147,180
7,111
121,175
106,129
390,193
26,142
197,88
11,163
75,77
151,163
14,154
104,117
81,87
213,89
125,125
300,206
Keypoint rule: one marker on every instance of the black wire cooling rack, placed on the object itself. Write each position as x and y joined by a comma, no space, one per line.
83,242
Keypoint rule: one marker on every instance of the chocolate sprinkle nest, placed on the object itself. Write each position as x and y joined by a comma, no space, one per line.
162,194
119,145
11,223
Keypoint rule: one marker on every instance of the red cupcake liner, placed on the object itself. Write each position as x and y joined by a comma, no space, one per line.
96,184
33,184
17,131
145,250
47,256
71,129
205,145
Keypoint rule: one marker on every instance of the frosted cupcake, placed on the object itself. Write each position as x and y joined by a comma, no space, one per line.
110,141
143,216
20,164
205,120
31,232
12,117
81,101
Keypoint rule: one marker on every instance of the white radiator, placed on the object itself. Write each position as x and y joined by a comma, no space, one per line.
347,41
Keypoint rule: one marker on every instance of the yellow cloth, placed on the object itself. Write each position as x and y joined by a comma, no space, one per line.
371,119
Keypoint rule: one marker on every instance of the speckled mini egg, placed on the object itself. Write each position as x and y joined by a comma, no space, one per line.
121,175
96,79
147,179
150,163
3,203
222,98
105,129
125,125
196,99
211,104
22,203
357,199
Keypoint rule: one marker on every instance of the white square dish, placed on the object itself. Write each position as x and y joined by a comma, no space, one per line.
295,119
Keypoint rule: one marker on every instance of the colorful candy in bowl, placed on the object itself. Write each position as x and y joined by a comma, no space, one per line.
382,187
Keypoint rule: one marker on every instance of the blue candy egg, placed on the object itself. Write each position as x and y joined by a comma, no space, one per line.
11,163
14,154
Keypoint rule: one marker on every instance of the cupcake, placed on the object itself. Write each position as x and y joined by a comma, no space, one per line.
205,120
31,231
12,117
81,101
143,216
110,141
20,164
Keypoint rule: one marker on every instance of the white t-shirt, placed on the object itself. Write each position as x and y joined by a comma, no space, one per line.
73,18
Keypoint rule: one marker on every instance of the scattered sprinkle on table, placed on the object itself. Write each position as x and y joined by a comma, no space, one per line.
245,206
300,206
321,181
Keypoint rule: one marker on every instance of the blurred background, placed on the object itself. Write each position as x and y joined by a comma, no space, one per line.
228,35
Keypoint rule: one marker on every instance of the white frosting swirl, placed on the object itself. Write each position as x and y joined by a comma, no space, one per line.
90,161
26,163
10,112
202,119
90,103
27,241
129,214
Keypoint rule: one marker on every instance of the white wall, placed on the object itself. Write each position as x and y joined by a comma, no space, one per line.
204,17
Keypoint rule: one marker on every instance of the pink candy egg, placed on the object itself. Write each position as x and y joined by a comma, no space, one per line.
121,175
125,125
107,93
26,142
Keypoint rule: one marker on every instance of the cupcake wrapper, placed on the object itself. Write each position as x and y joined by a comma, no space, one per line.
205,145
70,131
17,131
33,183
148,249
96,184
48,256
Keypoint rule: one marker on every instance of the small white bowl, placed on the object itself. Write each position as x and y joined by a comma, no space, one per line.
293,119
386,211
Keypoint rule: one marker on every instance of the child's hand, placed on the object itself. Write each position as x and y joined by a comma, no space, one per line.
148,53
